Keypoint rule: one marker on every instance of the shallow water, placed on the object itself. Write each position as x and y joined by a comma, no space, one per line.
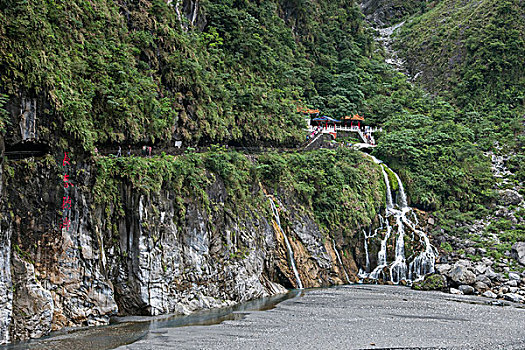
128,330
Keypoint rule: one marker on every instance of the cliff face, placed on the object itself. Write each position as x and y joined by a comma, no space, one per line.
149,251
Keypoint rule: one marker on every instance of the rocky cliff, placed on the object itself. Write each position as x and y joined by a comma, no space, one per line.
168,234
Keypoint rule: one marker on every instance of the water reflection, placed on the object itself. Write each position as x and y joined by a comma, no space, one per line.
131,329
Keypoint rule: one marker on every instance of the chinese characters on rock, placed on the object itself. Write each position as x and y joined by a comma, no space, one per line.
66,200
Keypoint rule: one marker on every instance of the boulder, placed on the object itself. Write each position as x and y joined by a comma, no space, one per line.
515,298
490,294
461,274
514,276
493,275
465,289
487,261
480,268
510,197
431,282
512,283
484,279
442,269
481,287
518,252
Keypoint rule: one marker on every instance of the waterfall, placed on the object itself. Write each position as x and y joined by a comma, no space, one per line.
381,255
404,217
287,242
340,261
402,195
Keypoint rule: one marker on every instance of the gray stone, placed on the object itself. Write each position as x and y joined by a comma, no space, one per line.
455,291
484,279
465,289
510,197
512,283
514,297
461,275
480,268
470,251
490,294
481,287
487,261
494,276
514,276
442,269
518,252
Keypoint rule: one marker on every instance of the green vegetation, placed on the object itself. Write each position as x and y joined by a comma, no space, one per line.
342,188
141,72
431,282
471,53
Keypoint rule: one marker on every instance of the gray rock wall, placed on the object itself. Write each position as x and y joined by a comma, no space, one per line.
142,257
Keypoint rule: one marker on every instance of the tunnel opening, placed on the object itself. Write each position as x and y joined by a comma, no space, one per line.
24,150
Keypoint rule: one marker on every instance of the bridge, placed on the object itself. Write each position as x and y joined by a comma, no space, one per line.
366,133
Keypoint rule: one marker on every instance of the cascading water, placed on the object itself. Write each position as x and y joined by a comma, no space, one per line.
287,242
340,261
404,217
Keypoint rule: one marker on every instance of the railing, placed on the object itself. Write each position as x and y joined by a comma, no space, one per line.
365,133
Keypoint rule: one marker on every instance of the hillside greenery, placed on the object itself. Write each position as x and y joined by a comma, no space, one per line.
471,53
234,72
342,188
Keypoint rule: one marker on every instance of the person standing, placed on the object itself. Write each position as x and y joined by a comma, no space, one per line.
119,153
129,150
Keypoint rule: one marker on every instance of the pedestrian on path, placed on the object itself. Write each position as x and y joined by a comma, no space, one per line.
119,153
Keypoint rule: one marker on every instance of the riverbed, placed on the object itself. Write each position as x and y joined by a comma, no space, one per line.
345,317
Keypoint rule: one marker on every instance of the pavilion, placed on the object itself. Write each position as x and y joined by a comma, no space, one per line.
356,118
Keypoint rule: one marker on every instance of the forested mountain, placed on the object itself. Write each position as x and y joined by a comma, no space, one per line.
207,225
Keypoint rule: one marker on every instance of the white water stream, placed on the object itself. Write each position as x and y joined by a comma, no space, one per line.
404,218
287,242
340,261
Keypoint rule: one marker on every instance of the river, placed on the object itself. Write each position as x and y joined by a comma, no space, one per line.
345,317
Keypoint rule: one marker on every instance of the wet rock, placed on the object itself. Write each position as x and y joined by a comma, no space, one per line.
465,289
514,297
461,275
490,294
510,197
518,252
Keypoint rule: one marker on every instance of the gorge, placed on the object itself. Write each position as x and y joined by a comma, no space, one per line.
231,204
